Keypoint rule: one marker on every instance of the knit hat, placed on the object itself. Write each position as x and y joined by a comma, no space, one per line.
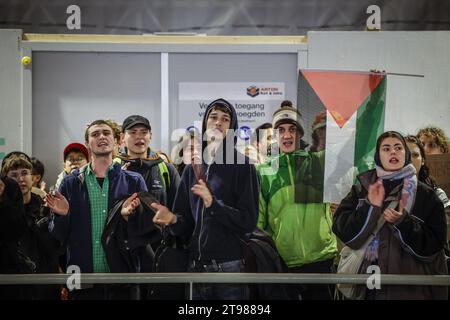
320,121
287,114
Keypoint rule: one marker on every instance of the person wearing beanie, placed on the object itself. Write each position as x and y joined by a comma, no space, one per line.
291,207
75,156
409,218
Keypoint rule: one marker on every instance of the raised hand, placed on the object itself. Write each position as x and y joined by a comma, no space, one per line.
163,216
129,206
201,190
57,203
376,193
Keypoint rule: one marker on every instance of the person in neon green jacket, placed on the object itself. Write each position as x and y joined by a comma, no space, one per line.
291,207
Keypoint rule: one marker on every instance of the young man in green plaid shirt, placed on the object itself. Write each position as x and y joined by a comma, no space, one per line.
82,205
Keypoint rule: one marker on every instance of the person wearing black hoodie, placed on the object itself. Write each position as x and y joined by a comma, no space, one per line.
216,204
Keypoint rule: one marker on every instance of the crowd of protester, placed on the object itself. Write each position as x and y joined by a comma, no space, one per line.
117,201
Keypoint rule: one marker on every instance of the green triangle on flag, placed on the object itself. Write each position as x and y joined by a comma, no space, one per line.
342,92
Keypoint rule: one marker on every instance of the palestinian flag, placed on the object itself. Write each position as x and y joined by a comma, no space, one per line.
355,107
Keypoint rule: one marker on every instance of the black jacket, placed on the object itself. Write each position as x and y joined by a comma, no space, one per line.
413,246
12,214
12,226
127,243
37,242
162,186
40,246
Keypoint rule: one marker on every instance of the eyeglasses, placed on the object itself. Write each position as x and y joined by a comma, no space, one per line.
18,175
79,159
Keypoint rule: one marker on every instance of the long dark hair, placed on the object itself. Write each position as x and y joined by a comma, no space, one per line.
424,172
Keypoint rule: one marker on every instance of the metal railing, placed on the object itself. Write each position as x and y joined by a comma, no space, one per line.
191,278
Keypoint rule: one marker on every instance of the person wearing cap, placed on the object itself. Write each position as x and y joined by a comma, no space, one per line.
75,156
161,178
291,207
216,204
81,208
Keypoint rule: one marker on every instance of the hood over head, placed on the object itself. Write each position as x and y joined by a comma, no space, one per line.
231,137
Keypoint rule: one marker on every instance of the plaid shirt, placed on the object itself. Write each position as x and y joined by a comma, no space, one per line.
98,198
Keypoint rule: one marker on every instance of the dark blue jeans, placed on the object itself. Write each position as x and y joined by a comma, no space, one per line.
207,291
313,291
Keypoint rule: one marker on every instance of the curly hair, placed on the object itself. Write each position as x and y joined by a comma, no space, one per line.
437,134
117,129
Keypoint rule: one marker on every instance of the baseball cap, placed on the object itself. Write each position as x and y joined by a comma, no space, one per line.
133,120
75,146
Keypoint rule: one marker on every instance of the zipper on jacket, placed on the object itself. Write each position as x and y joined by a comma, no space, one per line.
291,177
201,219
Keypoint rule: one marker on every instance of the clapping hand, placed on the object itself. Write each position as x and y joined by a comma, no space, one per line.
392,216
57,203
130,205
163,216
376,193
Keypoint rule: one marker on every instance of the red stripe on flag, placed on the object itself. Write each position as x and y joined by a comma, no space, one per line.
342,93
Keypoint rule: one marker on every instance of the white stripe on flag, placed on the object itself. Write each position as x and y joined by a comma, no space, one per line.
339,159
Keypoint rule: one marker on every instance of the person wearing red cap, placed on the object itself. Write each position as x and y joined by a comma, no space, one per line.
75,156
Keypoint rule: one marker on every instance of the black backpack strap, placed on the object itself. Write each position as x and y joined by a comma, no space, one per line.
114,210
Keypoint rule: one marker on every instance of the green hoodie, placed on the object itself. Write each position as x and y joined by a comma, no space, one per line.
291,207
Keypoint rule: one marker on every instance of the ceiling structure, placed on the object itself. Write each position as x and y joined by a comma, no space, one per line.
221,17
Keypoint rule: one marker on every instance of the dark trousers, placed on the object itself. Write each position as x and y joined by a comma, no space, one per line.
313,291
230,291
